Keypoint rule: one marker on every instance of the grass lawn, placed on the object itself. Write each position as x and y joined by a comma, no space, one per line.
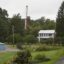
54,55
6,57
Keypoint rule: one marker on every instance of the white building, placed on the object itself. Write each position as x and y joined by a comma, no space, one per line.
45,34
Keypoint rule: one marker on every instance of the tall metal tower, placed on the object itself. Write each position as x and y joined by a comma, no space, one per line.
26,17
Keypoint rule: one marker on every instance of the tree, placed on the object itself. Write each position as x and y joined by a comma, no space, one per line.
3,24
34,29
30,39
60,24
18,24
49,24
17,38
40,24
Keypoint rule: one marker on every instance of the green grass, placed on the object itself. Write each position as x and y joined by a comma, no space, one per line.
54,55
6,57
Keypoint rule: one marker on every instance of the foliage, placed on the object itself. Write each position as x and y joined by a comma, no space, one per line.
17,38
6,57
18,24
45,47
53,55
19,45
60,24
41,24
30,39
23,57
29,35
49,24
3,24
47,41
41,58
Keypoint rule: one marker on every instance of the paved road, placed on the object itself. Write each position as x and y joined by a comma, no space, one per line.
9,49
61,61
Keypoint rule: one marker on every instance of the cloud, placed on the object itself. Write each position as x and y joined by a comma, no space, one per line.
37,8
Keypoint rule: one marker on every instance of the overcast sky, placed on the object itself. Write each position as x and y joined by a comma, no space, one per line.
37,8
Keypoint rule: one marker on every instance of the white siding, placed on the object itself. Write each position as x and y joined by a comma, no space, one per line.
46,34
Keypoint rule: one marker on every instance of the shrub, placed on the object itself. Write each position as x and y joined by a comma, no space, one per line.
19,46
23,57
41,58
42,48
46,48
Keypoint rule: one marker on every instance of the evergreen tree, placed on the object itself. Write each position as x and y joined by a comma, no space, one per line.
60,24
3,24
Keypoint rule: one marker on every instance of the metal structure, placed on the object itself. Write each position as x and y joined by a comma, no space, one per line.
26,17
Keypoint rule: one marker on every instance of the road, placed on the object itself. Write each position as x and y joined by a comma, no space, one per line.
10,49
61,61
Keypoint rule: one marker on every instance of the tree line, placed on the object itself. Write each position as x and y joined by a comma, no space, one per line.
29,36
18,22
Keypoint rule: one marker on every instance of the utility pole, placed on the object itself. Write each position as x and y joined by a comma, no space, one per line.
26,17
13,34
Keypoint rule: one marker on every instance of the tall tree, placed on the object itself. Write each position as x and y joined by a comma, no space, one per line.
3,24
60,24
18,24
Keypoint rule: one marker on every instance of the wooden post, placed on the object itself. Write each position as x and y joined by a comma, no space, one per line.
13,34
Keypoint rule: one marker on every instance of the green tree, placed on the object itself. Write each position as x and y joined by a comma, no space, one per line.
17,38
30,39
18,24
41,24
49,24
3,24
34,29
60,24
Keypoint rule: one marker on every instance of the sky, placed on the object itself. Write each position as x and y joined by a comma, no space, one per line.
36,8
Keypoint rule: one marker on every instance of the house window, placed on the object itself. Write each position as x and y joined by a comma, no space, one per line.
40,34
50,34
44,34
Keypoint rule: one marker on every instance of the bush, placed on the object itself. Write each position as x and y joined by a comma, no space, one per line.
41,58
43,48
23,57
47,41
46,48
19,45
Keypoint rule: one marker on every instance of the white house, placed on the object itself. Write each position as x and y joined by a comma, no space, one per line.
45,34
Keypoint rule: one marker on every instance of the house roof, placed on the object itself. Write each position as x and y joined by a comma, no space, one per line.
47,31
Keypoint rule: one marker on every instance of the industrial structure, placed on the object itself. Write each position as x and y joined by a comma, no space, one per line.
26,17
